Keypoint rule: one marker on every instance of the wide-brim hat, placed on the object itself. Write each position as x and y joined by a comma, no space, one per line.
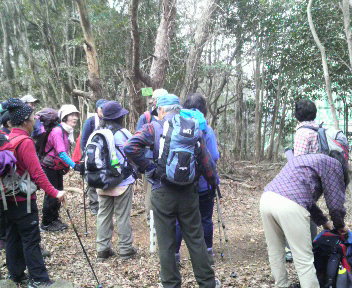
113,110
67,109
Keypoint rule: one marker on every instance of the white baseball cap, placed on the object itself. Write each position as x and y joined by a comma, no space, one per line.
29,99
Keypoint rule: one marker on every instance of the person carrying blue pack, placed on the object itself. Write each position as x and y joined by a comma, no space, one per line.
91,124
195,107
147,117
178,147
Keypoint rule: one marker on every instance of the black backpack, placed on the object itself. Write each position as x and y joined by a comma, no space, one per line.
329,251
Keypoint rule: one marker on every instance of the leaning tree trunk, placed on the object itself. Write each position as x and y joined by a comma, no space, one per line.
324,62
94,81
162,44
347,27
200,38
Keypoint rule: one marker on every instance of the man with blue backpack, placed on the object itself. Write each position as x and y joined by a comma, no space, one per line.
178,148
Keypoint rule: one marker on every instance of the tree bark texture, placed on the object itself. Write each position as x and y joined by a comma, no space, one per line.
133,61
345,7
274,120
200,38
91,53
7,66
324,62
257,121
162,44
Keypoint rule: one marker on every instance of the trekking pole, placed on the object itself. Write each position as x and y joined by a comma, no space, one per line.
219,226
84,207
80,242
217,193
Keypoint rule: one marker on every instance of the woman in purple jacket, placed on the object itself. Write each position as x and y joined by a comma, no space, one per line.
197,102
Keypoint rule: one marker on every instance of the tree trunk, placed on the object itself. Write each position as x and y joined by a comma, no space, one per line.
257,120
200,38
347,26
281,128
273,123
7,66
94,81
138,103
324,62
162,44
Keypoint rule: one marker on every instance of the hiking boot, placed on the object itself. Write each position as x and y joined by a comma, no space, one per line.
39,284
52,227
19,280
102,255
63,226
217,283
129,254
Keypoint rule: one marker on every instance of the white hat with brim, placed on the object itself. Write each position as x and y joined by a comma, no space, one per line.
29,99
67,109
159,92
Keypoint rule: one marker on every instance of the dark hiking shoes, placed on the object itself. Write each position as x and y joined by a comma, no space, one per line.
102,255
129,254
19,280
211,256
39,284
63,226
54,226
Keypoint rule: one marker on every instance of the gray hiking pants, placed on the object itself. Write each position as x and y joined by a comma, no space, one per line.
93,198
121,207
183,204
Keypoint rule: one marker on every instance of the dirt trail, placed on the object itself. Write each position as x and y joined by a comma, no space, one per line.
240,206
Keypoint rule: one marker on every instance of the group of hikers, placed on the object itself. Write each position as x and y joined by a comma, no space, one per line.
176,152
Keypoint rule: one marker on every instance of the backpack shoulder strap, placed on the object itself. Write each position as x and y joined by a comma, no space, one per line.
148,116
311,127
17,140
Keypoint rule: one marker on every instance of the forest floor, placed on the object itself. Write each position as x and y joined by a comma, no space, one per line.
240,208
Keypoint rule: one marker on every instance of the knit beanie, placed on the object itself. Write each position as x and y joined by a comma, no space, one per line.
19,111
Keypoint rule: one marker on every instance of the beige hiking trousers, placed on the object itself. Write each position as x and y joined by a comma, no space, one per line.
284,218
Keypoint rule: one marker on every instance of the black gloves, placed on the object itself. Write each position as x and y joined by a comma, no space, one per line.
79,168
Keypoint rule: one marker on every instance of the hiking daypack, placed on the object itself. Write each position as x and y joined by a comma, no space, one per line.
11,183
332,267
178,149
102,167
331,139
148,116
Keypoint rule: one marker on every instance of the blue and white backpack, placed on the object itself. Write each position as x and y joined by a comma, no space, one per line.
178,149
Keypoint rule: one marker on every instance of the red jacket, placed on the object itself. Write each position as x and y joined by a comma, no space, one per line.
27,160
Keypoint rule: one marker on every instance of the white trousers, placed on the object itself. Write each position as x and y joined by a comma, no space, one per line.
284,218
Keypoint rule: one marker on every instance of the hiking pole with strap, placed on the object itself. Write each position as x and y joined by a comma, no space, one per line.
217,193
84,207
80,242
